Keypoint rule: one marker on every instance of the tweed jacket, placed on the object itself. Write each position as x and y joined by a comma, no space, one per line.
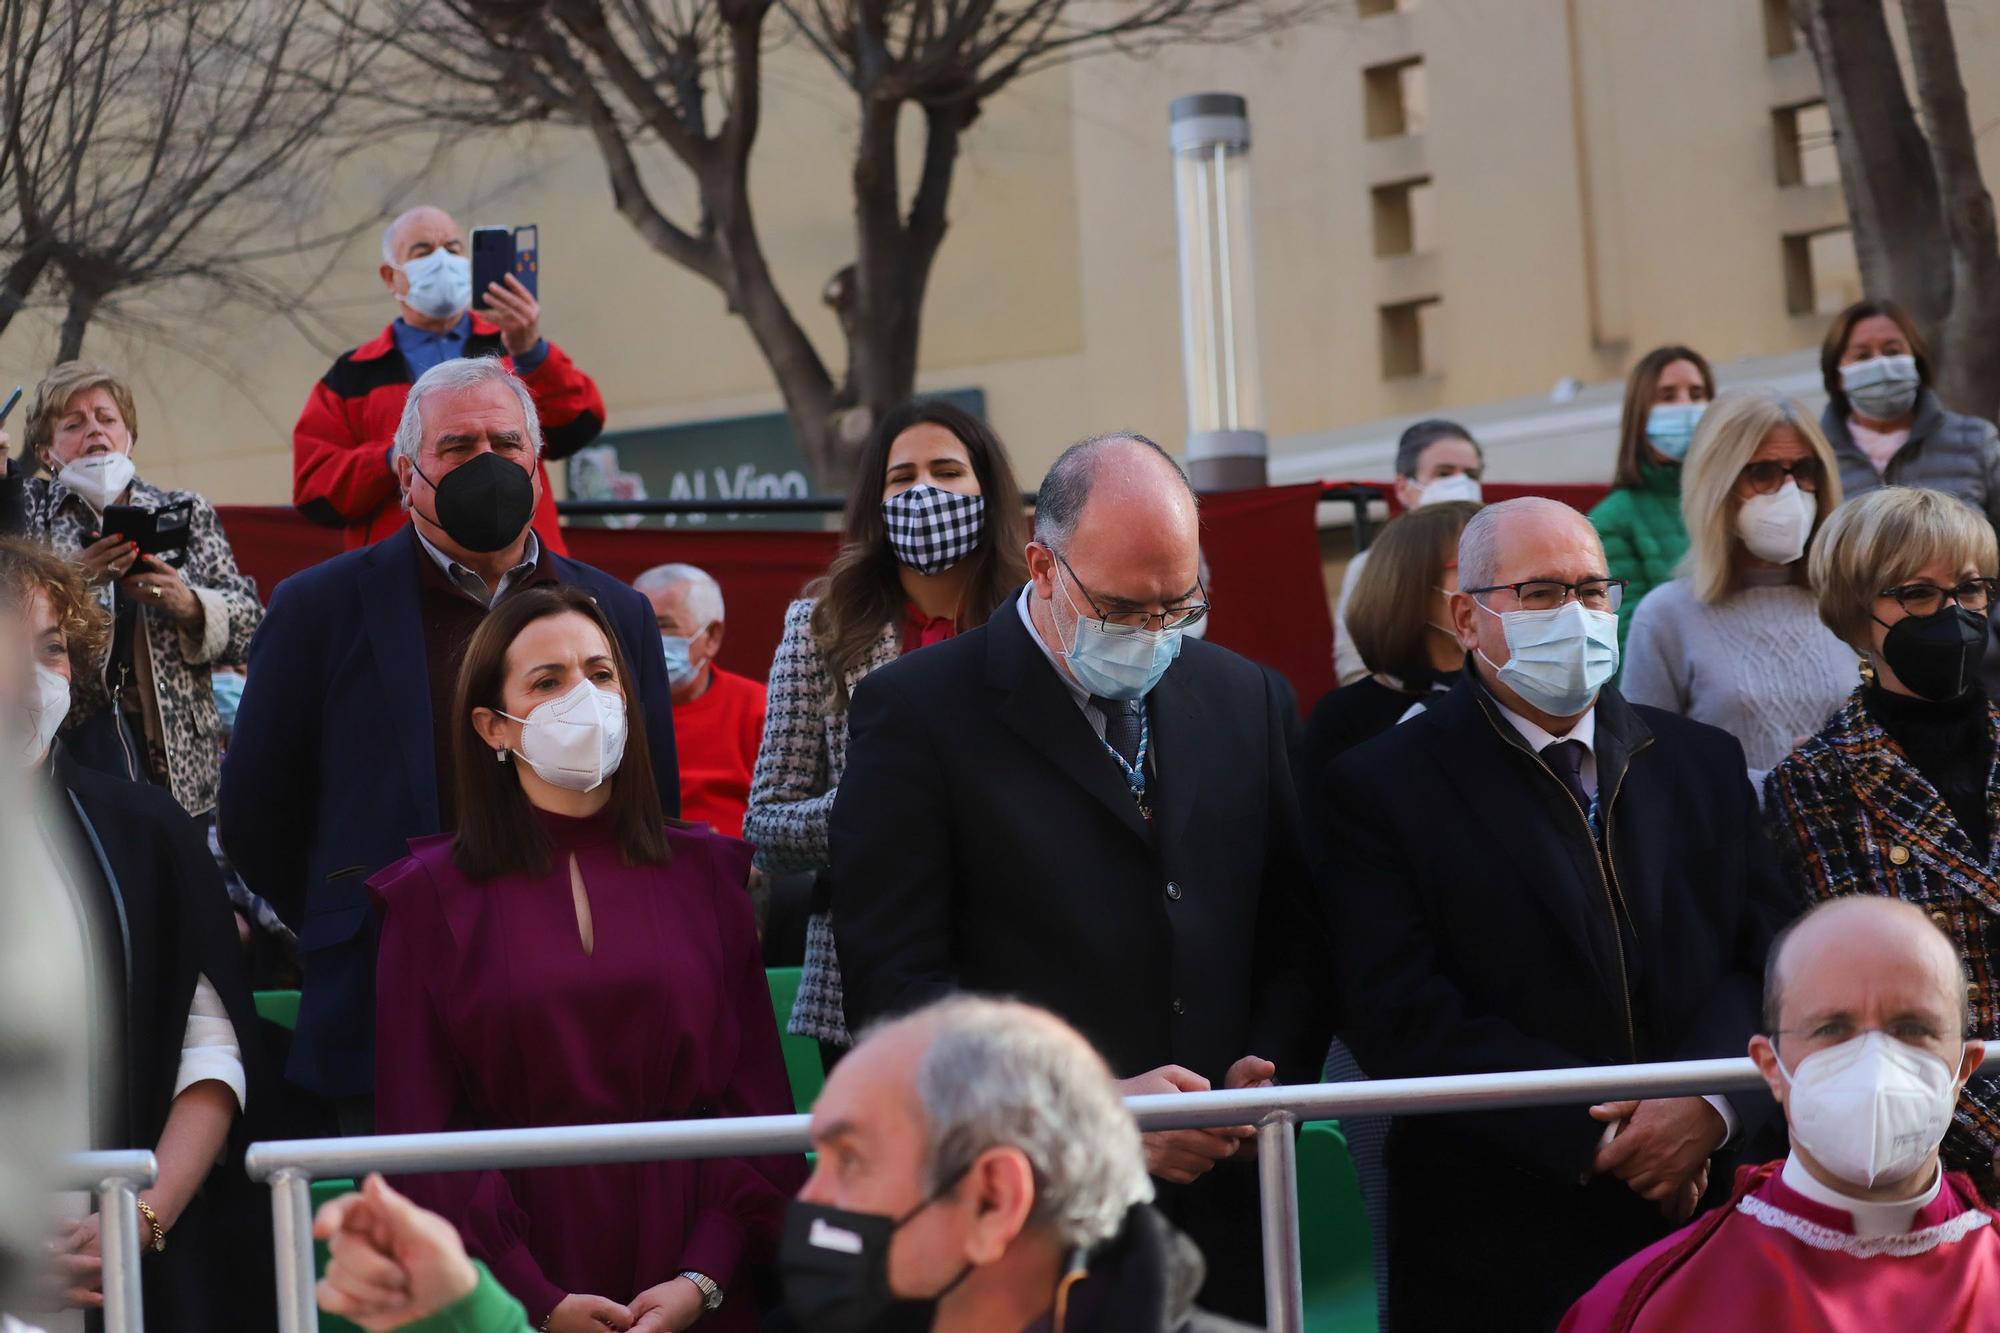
1850,813
791,794
182,727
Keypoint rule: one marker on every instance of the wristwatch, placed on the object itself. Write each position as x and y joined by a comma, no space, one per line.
711,1294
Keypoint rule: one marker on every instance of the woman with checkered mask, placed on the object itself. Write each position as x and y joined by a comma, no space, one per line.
933,543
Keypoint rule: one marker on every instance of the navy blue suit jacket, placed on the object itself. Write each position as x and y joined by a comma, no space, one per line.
331,771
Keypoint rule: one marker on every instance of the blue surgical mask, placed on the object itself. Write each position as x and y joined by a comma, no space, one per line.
440,284
1557,660
1117,666
1670,427
228,690
680,669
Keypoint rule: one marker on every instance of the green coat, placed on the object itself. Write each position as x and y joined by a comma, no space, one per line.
487,1308
1643,535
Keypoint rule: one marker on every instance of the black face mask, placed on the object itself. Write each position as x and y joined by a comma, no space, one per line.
835,1266
483,503
1937,656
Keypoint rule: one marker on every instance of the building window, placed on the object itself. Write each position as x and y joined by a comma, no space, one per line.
1822,274
1396,101
1410,338
1803,139
1780,37
1404,219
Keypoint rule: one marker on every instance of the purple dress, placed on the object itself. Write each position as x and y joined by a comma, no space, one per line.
491,1016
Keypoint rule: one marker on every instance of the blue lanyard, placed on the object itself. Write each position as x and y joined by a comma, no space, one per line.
1135,774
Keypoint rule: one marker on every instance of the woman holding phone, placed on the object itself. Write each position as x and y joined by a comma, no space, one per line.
148,714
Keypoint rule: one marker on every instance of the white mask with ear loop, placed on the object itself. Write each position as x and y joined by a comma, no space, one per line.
577,741
45,708
1871,1108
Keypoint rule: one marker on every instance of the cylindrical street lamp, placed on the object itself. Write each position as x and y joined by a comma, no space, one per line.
1210,137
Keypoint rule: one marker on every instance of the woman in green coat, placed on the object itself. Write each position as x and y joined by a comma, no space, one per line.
1640,521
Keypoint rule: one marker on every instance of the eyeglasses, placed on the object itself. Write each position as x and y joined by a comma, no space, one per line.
1548,594
1926,599
1769,477
1131,622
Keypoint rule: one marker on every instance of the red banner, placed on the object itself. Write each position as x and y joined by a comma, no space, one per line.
1262,548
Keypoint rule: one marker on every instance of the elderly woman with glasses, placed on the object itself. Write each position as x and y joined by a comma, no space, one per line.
1895,794
1736,640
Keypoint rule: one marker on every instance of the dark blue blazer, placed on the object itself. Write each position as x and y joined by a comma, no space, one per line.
331,771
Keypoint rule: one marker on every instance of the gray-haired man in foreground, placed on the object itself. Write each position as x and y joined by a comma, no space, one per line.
977,1174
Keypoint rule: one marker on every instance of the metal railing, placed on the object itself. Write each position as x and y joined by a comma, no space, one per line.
290,1167
116,1179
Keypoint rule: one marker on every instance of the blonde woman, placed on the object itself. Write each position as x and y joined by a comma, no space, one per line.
1736,640
1894,794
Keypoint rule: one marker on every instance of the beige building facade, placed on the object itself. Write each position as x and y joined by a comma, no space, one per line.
1457,202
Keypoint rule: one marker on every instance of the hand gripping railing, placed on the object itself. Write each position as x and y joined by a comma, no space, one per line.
291,1167
116,1179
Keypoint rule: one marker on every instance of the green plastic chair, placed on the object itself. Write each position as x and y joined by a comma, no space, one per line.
802,1063
282,1007
1334,1254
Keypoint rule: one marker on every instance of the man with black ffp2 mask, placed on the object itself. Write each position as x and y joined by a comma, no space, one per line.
343,748
978,1174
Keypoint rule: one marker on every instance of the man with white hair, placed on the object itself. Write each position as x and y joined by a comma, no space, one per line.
343,470
343,748
718,715
1536,874
977,1174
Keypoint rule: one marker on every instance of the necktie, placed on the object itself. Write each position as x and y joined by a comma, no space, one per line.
1565,760
1121,726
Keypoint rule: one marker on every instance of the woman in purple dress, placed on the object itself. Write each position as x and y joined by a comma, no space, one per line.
568,958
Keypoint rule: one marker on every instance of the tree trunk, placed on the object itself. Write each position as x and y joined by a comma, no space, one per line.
1886,174
83,303
1968,369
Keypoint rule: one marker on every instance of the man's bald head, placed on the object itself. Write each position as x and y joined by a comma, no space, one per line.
1124,473
1856,943
1500,531
426,223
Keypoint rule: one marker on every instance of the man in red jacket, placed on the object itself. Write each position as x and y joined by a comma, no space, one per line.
341,473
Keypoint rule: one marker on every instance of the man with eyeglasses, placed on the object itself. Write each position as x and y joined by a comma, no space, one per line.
1080,805
1861,1226
1536,874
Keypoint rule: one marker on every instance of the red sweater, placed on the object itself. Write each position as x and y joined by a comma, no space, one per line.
716,739
341,475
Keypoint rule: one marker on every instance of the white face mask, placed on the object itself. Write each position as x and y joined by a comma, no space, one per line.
46,709
1872,1108
574,742
1458,486
1557,660
1775,527
99,479
440,284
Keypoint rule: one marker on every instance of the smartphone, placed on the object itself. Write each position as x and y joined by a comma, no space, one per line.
8,406
162,533
498,251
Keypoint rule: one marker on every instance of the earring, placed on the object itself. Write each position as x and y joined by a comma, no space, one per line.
500,756
1867,670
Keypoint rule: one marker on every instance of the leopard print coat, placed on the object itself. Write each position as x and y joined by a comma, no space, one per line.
182,727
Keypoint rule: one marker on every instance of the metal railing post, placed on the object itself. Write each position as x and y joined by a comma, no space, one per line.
1278,1195
291,1233
118,1241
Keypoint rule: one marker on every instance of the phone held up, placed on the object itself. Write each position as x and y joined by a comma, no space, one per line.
499,251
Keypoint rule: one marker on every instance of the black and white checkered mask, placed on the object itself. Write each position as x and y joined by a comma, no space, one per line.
931,530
